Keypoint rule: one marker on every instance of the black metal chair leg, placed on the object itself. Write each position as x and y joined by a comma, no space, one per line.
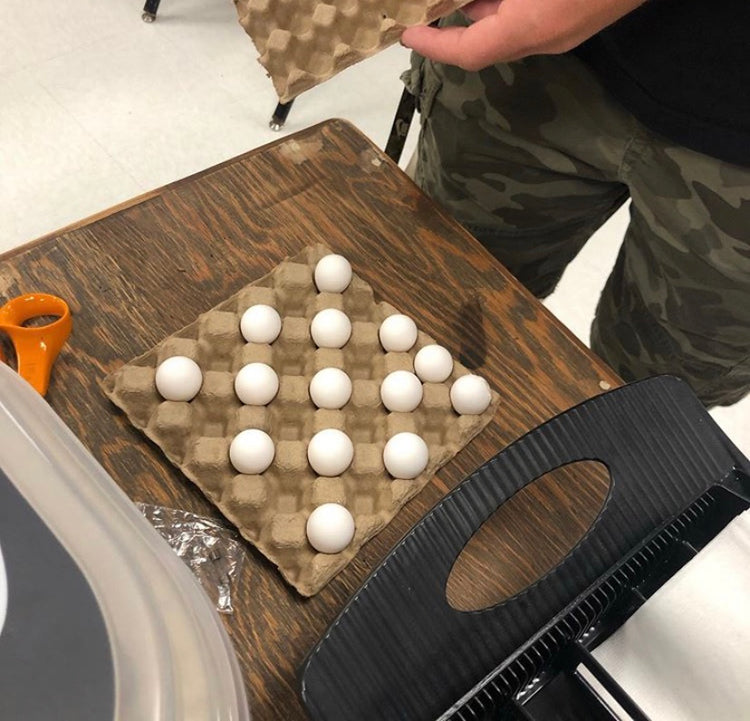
149,11
280,115
401,124
407,106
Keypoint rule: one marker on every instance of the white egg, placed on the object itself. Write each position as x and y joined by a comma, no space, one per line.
251,451
256,384
260,324
331,328
178,378
433,364
405,455
333,273
398,333
470,395
330,528
401,391
330,388
330,452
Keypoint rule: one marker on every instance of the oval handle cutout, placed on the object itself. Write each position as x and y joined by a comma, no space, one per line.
528,536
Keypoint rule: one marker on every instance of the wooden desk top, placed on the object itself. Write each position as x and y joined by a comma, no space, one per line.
138,273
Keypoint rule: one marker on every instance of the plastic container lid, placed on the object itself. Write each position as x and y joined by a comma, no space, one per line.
158,646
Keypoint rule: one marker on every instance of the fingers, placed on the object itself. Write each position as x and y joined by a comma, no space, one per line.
480,9
481,44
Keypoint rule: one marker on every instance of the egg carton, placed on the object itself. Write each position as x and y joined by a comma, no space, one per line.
304,42
271,509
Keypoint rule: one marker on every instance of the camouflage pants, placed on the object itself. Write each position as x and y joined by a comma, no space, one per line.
532,157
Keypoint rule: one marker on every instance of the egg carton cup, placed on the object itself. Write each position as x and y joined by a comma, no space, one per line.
304,42
271,509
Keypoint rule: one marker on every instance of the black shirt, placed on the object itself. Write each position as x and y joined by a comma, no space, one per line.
682,67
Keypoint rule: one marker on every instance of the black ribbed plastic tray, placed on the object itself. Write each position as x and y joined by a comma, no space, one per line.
399,651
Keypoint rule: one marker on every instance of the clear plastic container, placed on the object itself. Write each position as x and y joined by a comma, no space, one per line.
171,658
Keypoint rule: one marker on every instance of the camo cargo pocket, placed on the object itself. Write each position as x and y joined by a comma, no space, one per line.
423,83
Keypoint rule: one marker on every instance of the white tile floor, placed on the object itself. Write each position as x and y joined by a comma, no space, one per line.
97,106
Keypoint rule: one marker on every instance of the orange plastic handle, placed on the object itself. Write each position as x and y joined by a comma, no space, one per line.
36,347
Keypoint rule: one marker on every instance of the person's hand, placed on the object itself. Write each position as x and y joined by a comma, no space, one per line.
505,30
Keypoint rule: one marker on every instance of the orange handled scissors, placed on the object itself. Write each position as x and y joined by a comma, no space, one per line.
36,346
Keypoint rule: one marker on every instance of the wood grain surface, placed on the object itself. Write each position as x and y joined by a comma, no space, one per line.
138,274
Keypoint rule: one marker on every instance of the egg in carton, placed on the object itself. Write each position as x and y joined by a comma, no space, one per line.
304,42
273,504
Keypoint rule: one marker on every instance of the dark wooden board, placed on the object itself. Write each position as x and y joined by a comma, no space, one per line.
147,269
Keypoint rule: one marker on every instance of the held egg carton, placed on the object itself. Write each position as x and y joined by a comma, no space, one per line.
275,445
304,42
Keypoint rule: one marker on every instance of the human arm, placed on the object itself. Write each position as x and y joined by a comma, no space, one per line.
506,30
